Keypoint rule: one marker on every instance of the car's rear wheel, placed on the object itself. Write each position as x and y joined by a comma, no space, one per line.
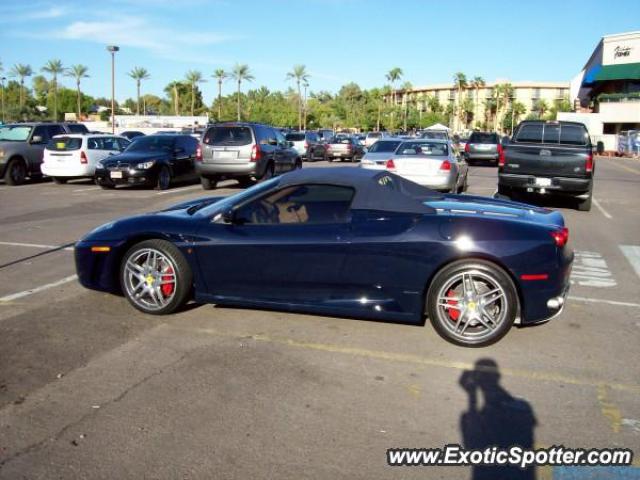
59,180
246,182
208,183
16,172
269,172
472,303
155,277
584,205
163,182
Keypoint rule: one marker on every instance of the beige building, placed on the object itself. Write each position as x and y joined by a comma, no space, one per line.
529,94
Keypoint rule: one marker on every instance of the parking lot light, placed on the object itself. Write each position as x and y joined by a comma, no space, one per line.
113,49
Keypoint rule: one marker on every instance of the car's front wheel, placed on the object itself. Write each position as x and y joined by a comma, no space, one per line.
16,172
155,277
472,303
208,183
163,182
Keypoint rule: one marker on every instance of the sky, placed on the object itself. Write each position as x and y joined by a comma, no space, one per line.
339,41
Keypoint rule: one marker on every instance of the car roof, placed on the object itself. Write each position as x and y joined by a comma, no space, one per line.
85,135
371,191
422,139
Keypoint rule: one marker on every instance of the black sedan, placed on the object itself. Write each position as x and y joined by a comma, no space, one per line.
345,242
153,160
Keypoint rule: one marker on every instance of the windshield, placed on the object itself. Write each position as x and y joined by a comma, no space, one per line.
423,148
294,137
228,136
435,134
382,146
239,197
15,133
478,137
61,144
151,144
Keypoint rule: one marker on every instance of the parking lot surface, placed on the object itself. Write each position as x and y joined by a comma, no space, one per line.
89,387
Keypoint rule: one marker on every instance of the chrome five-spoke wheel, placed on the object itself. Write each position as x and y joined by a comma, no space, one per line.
472,304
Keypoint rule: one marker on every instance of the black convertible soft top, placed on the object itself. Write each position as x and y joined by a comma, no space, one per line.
375,189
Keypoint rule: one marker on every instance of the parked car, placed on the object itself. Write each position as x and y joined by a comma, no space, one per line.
381,150
548,158
373,137
22,148
325,134
152,160
343,242
76,156
131,134
435,134
302,142
430,163
482,146
76,127
244,151
343,147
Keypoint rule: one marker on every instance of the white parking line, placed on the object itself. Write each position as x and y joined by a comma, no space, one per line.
36,245
178,190
609,302
590,269
86,189
602,210
632,252
31,291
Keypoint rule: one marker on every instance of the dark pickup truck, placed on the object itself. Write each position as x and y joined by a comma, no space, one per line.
548,158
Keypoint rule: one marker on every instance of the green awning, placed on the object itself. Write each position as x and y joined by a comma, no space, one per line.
625,71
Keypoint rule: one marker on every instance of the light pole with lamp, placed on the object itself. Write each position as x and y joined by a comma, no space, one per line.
3,79
113,49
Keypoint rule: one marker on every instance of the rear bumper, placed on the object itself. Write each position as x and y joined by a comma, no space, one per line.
434,182
71,171
561,185
227,169
481,156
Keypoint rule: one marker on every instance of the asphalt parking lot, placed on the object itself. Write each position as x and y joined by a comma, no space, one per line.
90,387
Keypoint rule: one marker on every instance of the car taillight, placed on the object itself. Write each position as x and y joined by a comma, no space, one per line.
588,166
327,147
501,159
83,158
349,147
306,145
446,165
390,165
560,237
466,148
256,153
199,154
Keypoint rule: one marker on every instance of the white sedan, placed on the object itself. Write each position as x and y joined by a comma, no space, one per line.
428,162
76,155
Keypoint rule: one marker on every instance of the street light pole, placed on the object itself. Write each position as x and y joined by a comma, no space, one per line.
113,49
3,80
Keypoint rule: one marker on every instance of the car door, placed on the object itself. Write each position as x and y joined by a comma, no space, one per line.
285,156
187,156
287,246
34,149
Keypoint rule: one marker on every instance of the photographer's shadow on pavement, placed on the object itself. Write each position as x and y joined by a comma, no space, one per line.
501,421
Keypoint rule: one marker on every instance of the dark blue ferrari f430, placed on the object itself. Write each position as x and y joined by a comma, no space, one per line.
347,242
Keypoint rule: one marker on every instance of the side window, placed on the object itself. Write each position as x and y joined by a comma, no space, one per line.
110,143
574,135
531,133
280,138
551,133
95,143
123,143
317,204
54,130
41,131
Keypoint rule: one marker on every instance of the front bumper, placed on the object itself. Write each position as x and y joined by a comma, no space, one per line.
125,177
560,185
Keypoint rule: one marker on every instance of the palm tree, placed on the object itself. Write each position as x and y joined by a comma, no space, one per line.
220,75
504,92
139,74
541,107
239,74
393,76
21,71
172,89
460,83
54,67
300,75
78,72
477,83
193,77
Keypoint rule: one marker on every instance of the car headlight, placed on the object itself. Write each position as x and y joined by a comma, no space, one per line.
146,165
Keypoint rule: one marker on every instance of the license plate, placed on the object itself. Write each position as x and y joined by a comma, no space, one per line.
543,182
483,147
337,154
116,174
225,154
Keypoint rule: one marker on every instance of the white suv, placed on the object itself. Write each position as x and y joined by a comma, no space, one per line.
373,137
75,156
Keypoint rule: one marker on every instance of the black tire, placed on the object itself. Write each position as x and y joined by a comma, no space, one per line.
298,165
246,182
504,192
481,271
585,205
59,180
16,172
163,181
105,185
269,172
208,183
183,276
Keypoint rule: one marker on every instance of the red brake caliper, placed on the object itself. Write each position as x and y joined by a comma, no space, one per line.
167,288
453,313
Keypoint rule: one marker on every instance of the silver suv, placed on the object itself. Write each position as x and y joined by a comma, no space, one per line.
244,151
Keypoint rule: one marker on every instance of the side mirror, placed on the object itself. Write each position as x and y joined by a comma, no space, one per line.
36,139
228,216
273,141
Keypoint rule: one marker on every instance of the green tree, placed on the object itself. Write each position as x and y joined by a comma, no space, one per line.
504,94
54,67
173,90
193,78
220,75
139,74
460,83
299,75
394,75
78,72
512,116
477,83
21,71
540,107
241,73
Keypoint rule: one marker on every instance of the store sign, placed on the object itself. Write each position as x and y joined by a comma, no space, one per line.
621,52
